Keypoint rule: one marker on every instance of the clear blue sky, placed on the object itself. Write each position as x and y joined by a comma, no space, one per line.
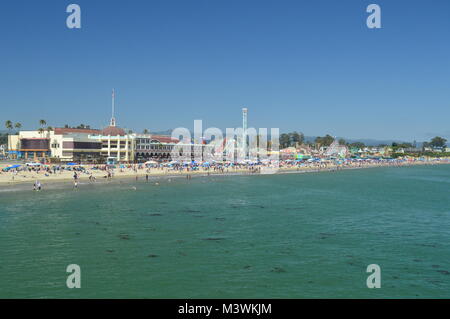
311,66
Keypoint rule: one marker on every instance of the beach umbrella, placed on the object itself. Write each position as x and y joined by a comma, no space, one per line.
33,164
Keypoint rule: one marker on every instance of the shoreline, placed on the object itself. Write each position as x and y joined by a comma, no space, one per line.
65,179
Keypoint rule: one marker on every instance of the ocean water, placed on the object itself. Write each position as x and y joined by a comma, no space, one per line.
274,236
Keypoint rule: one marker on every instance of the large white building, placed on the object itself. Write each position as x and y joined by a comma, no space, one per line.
62,144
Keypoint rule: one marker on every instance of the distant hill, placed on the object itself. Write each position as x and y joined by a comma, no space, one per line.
366,141
166,132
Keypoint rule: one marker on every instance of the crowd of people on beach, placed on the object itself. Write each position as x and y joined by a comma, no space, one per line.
108,172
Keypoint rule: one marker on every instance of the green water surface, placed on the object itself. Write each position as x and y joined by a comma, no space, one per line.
273,236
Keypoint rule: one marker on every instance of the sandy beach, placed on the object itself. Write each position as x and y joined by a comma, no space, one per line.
19,180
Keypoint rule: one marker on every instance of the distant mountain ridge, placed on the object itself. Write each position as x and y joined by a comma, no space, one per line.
366,141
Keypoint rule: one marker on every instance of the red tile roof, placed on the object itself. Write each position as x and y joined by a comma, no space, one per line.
165,139
113,131
62,131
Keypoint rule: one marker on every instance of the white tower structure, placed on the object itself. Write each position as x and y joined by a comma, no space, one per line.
244,131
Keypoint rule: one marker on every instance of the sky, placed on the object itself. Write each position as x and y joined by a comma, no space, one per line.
311,66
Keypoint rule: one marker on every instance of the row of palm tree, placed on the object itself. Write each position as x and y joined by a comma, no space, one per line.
9,126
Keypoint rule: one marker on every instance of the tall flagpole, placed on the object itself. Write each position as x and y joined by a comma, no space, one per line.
113,120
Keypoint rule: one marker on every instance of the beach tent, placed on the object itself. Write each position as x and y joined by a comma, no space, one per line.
72,164
33,164
11,167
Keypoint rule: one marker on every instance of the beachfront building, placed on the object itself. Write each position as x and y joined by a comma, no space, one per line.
29,144
3,150
155,147
75,145
59,144
160,148
115,144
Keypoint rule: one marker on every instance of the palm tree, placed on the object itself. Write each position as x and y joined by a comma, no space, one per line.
42,122
41,131
145,131
18,126
49,129
9,125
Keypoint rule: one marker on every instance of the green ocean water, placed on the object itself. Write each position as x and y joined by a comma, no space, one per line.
273,236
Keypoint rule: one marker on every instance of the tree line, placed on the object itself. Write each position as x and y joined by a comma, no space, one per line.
295,139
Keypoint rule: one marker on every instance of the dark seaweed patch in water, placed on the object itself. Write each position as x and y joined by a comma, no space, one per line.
213,238
220,218
427,245
277,269
191,211
124,236
152,256
109,250
326,235
247,267
435,266
258,206
155,214
417,260
444,272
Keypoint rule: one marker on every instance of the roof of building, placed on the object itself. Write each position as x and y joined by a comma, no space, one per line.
62,131
113,131
164,139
